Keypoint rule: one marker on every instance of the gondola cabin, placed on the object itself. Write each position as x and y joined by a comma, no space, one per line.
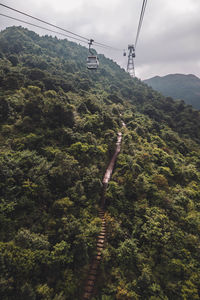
92,62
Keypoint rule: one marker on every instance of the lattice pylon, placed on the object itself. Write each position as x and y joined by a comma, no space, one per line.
130,65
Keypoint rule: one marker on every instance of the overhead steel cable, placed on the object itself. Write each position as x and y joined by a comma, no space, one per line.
109,47
41,27
140,21
51,30
40,20
60,28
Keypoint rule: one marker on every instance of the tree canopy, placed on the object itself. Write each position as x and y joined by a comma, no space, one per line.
58,129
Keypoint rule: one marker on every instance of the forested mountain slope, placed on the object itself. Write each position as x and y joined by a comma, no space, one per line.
58,128
178,86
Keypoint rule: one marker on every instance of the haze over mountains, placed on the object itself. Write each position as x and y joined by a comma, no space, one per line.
178,86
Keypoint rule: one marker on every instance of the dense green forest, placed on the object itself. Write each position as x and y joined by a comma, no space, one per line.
58,129
178,86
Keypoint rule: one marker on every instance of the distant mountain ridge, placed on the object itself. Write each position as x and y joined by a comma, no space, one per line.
178,86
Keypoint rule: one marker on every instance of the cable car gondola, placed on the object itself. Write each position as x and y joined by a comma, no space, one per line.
92,60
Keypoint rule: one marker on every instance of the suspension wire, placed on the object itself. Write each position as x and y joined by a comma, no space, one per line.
40,20
140,21
51,30
38,26
60,28
106,46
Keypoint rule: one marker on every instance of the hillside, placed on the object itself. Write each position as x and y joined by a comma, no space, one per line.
178,86
58,131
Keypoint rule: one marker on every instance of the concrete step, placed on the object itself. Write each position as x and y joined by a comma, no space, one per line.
89,289
102,236
98,257
99,249
103,233
93,272
100,240
92,277
90,283
87,296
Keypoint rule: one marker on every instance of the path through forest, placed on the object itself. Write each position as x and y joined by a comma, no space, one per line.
91,279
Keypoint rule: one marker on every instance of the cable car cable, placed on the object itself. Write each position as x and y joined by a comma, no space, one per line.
50,30
93,60
110,47
140,21
140,24
40,20
38,26
50,24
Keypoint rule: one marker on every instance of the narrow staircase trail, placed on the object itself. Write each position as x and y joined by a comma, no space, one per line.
92,275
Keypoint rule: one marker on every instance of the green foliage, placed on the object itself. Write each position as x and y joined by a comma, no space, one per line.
34,241
58,128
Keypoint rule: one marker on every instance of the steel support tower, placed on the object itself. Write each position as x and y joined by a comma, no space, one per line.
130,65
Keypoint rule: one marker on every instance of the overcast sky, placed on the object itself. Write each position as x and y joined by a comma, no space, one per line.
169,41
